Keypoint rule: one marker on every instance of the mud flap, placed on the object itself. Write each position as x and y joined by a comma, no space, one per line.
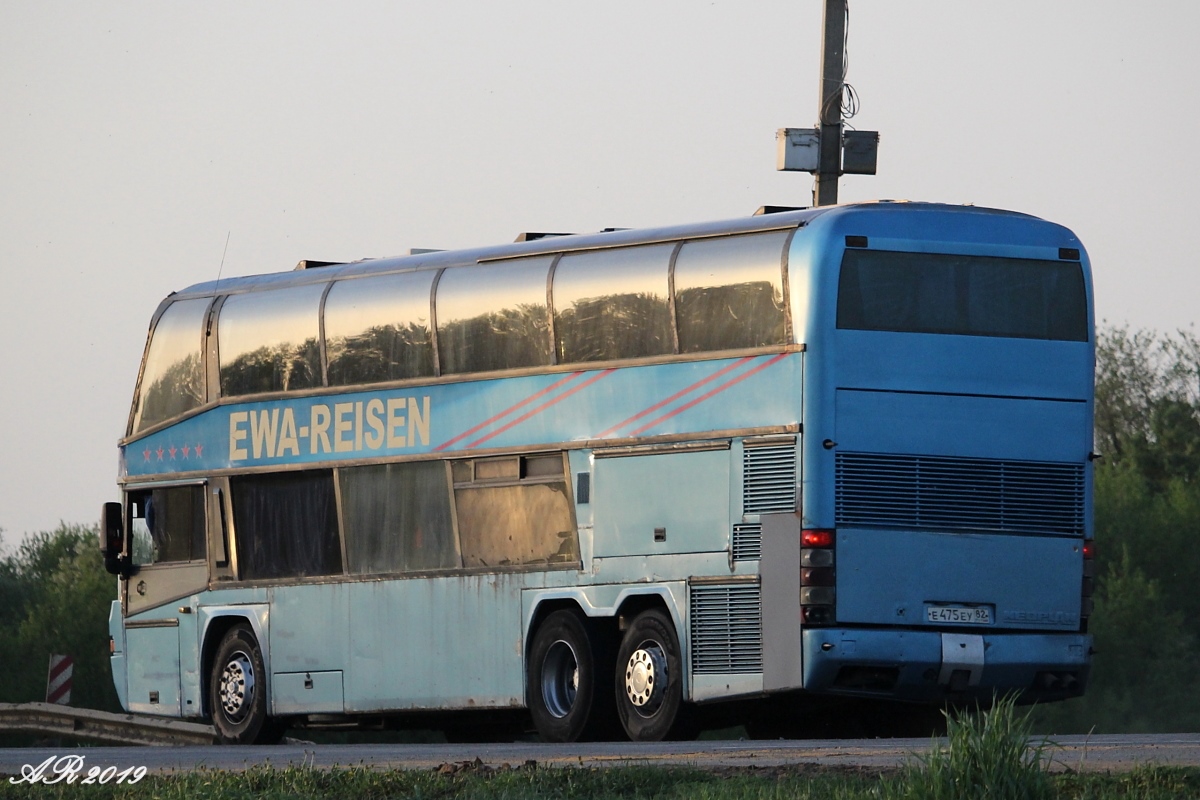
962,661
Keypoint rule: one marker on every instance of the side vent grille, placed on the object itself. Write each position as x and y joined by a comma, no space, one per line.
747,542
726,626
893,491
769,478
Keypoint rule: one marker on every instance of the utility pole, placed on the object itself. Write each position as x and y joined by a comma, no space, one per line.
828,151
833,74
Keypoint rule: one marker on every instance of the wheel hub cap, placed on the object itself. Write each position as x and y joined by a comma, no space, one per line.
646,678
237,686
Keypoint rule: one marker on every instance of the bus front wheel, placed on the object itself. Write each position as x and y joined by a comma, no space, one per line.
561,681
237,690
650,678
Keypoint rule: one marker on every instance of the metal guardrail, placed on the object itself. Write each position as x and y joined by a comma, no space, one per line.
101,726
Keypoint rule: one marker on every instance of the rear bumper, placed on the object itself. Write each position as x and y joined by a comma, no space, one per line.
940,665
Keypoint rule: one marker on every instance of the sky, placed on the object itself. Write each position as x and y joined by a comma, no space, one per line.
147,146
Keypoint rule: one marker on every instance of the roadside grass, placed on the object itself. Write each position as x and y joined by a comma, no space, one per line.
617,783
986,755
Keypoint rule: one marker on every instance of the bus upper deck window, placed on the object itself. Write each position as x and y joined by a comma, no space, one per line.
377,328
270,341
611,304
729,292
494,318
173,377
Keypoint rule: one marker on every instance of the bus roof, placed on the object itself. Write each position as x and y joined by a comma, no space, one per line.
549,244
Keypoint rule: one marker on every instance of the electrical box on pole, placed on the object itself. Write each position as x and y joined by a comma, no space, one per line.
798,149
860,151
829,151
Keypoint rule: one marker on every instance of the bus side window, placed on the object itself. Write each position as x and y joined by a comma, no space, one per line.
286,525
495,318
611,304
167,525
172,380
729,292
397,518
270,341
377,329
514,511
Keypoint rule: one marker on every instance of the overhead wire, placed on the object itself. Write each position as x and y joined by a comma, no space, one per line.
847,99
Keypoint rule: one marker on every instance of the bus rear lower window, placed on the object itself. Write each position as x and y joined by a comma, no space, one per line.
286,525
398,518
965,295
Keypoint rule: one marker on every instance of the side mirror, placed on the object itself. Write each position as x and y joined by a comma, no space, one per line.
112,538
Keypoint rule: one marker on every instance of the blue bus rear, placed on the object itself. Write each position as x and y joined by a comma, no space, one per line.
947,445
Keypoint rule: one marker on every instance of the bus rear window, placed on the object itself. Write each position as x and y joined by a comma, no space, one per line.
964,295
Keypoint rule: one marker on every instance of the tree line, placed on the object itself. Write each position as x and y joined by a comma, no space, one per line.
55,595
1146,621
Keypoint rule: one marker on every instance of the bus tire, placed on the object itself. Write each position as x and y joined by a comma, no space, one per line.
649,678
561,679
237,690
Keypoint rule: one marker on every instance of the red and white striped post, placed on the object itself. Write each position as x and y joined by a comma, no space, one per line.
58,680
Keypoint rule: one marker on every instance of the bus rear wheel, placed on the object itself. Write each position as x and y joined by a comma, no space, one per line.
650,679
561,680
237,690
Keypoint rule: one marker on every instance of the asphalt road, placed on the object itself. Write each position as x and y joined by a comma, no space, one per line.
1115,753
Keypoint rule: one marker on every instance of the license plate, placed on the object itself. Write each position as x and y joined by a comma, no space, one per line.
959,615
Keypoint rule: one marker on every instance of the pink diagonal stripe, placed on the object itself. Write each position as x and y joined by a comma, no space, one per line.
703,397
508,411
675,397
543,407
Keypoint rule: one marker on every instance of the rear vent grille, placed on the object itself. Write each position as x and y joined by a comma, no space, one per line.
893,491
726,629
747,542
769,478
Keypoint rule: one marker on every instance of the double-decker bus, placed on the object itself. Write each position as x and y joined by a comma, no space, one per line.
606,483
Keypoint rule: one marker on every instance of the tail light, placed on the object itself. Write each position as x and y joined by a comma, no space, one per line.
1089,583
817,577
